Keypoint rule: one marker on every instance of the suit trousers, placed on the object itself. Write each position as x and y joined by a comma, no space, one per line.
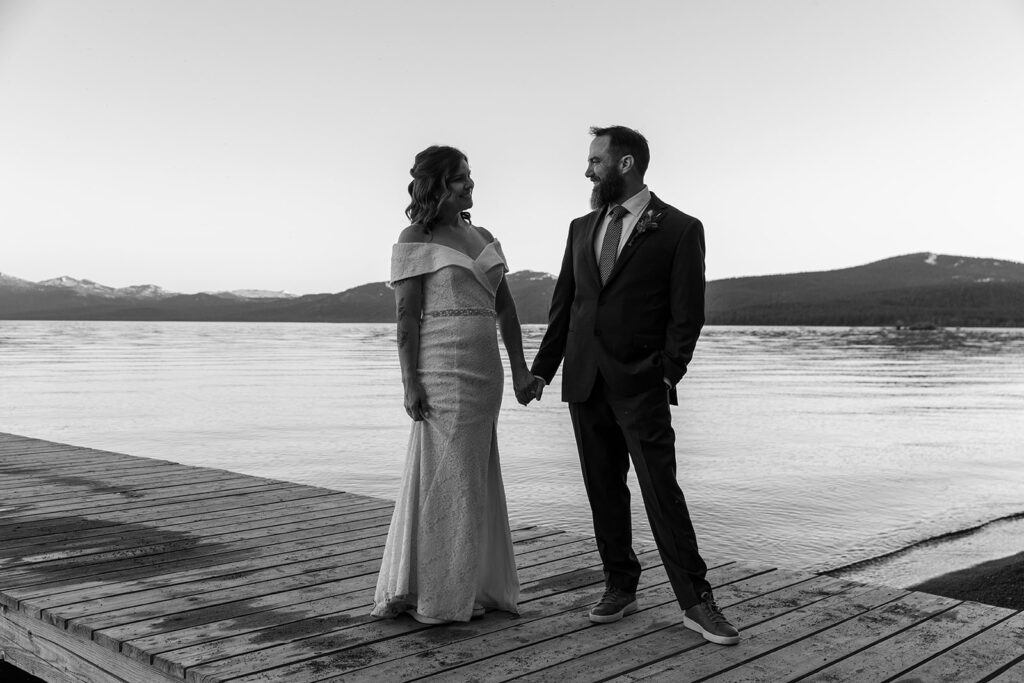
609,429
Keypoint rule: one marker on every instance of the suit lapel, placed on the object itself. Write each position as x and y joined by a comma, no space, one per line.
634,241
589,233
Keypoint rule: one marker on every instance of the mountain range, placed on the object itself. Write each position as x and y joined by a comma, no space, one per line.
922,289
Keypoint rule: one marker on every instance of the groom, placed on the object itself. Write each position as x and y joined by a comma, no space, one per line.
625,315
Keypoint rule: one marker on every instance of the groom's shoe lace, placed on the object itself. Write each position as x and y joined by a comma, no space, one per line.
707,619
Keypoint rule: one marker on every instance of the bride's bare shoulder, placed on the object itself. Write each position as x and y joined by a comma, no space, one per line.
413,234
485,233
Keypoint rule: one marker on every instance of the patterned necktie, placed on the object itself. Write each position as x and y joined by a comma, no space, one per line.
610,246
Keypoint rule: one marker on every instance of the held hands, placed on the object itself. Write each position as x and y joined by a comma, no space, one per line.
528,387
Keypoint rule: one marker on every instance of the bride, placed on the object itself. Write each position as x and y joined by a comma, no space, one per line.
448,555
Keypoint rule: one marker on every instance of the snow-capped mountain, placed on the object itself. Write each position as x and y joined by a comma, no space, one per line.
144,292
80,286
940,289
11,282
88,287
255,294
974,269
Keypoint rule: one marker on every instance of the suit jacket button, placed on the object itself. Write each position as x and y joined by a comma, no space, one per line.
597,333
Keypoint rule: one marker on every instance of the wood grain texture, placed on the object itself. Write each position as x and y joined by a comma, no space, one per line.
115,568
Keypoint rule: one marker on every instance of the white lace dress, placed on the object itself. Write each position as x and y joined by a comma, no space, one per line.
449,543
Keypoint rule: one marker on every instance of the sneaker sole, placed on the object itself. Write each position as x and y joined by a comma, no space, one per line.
708,635
609,618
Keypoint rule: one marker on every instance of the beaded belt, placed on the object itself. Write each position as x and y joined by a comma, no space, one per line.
455,312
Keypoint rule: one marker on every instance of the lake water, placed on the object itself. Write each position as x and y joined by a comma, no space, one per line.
810,448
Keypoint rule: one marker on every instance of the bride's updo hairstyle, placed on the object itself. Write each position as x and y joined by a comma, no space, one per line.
429,187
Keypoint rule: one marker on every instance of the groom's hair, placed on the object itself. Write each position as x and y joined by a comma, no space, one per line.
623,141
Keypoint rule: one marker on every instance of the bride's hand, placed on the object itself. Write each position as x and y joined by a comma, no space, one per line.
521,383
416,401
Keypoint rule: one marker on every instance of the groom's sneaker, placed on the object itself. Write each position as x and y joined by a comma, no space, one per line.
706,619
614,604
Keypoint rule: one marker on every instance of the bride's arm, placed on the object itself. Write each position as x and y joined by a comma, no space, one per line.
408,309
512,335
511,331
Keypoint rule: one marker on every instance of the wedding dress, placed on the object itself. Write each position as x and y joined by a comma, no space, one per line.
449,545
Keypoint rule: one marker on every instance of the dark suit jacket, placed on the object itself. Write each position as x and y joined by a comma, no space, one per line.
643,324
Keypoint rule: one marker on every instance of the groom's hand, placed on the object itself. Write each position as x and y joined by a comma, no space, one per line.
531,390
538,386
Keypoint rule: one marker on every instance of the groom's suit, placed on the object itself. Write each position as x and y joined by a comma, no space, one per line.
621,341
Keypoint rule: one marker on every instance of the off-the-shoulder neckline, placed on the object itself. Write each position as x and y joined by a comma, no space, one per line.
457,251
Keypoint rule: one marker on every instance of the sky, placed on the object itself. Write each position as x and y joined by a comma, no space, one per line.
207,145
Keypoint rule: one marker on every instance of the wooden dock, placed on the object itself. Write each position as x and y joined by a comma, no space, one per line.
119,568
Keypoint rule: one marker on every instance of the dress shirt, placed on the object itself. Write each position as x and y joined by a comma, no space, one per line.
634,207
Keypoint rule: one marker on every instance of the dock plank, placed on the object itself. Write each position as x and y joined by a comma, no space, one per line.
177,650
73,498
171,541
109,503
986,654
74,659
84,489
207,515
348,573
313,654
570,636
79,605
72,544
626,647
115,568
156,562
1014,673
908,649
765,624
804,657
47,597
52,453
792,591
112,629
13,477
385,657
19,530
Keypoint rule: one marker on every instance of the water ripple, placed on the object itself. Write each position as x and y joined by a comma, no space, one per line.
803,447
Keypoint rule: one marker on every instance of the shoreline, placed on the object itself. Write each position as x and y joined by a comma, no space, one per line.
955,564
995,582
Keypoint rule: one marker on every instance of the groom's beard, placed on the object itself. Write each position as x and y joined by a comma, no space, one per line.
607,190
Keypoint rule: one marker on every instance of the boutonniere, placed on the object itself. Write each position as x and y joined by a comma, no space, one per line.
647,222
